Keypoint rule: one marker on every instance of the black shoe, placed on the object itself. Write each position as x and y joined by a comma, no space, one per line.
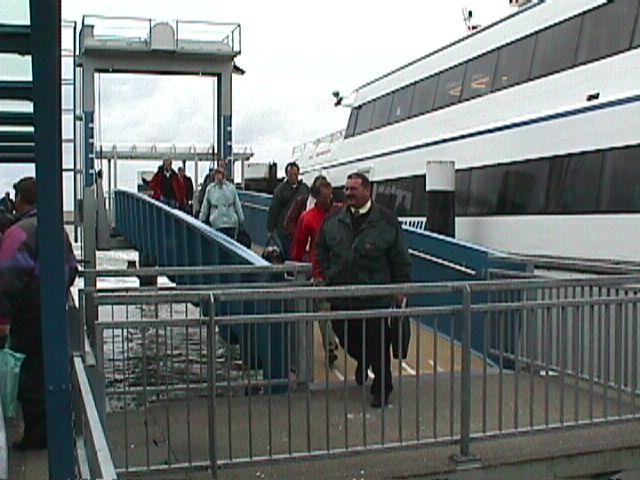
30,444
361,374
378,402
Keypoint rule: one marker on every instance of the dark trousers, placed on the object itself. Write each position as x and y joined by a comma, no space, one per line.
229,232
31,397
374,335
285,242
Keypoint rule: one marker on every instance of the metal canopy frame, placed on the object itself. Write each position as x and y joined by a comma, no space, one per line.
43,145
124,53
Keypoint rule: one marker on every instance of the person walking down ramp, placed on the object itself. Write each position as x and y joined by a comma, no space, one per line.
363,243
306,233
283,198
221,208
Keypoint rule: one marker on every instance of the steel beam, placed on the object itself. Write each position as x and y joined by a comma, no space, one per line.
15,39
9,148
9,158
45,23
16,90
16,137
16,118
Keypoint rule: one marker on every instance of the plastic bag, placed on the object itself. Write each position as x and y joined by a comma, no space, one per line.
10,363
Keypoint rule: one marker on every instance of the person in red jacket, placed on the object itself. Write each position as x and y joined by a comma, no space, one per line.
307,229
164,184
184,191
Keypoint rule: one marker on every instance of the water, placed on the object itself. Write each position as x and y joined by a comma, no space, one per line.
154,362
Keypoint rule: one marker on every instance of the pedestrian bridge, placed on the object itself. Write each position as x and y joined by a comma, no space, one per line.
217,372
494,358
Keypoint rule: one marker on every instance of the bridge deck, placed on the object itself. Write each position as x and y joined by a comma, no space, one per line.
410,417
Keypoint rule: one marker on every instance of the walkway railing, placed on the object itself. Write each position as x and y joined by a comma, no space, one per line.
93,455
556,354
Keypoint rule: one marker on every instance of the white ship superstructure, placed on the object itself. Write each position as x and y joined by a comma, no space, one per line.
540,113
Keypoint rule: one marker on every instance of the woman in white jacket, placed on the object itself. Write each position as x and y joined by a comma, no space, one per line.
221,206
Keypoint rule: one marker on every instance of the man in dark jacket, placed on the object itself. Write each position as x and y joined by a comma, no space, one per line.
20,309
363,243
283,197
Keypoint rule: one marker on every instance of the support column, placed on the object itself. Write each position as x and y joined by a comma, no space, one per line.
45,59
441,200
225,141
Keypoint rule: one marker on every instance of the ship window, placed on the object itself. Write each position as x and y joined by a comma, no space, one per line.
620,181
423,95
364,118
463,177
450,86
401,104
556,48
405,196
479,77
381,109
483,190
607,30
514,62
574,182
523,188
351,124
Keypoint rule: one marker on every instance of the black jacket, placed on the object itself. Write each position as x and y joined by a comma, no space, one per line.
376,254
283,198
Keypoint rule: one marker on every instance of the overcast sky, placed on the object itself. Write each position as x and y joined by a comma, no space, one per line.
295,54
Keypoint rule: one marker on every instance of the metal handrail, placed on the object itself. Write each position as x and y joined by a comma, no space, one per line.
104,468
288,267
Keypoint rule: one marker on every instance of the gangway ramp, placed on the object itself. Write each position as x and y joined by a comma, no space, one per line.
166,237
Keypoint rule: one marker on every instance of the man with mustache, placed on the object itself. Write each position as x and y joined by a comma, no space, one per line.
363,243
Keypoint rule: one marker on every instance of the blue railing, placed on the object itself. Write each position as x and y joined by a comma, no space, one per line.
167,237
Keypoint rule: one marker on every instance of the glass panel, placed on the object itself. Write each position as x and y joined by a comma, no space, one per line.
573,183
479,76
381,111
364,118
67,96
15,67
620,187
483,190
351,124
556,48
423,95
463,178
523,188
401,104
607,30
15,11
514,63
450,86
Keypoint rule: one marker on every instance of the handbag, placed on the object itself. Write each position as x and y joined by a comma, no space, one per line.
272,252
10,363
243,238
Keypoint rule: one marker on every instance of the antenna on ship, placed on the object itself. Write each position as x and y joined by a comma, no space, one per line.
467,16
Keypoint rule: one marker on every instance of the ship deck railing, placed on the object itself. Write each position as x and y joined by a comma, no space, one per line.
145,34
